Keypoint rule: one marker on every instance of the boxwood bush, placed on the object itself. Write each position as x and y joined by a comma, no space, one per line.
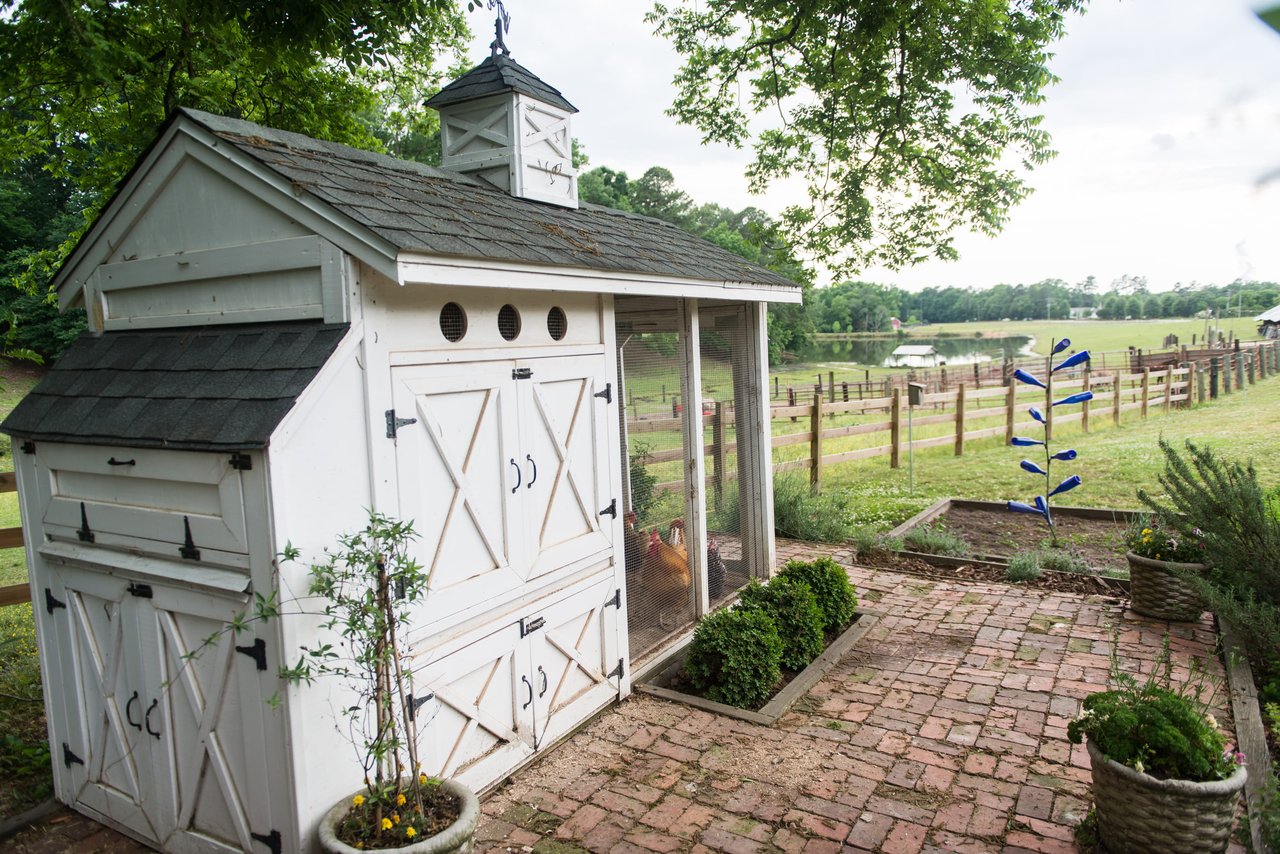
795,612
735,657
830,584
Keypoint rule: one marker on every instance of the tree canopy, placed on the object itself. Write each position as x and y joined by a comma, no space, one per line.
907,120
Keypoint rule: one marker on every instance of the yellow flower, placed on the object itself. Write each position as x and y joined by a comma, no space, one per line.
400,800
422,779
1146,531
386,824
358,800
410,832
395,816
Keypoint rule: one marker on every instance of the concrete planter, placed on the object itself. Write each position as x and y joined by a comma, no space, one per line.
454,839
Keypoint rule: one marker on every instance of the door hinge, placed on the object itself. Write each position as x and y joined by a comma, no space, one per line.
394,424
416,703
529,626
521,373
28,447
607,394
241,462
85,533
272,840
142,591
50,602
257,651
188,550
69,758
611,510
615,600
617,671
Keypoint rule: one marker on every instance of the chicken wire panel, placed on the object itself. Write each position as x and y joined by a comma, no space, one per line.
660,593
725,359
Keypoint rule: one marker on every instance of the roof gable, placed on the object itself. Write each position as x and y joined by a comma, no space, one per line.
499,73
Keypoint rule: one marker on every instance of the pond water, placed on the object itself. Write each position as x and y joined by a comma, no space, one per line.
951,351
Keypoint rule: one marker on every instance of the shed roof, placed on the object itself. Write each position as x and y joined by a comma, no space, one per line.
497,74
421,209
211,388
915,350
1270,315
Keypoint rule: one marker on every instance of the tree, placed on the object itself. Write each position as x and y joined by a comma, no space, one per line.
903,118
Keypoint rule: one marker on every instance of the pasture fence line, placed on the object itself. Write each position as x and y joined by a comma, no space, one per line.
10,538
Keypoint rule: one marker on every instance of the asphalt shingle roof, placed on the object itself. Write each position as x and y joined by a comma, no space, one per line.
422,209
498,74
210,388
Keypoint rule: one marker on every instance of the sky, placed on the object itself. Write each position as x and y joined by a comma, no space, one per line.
1166,122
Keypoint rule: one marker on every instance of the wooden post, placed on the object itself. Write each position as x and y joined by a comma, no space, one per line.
844,388
1240,359
815,443
1115,398
1215,373
960,420
1084,407
831,385
895,429
1146,389
675,406
775,386
791,400
1195,385
718,453
977,376
1168,388
1010,405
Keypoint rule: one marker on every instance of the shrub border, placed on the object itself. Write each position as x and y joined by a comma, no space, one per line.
660,675
1251,739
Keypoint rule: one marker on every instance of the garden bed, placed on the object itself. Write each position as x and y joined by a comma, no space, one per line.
665,679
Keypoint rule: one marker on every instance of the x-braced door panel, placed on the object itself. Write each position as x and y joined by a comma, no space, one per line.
458,475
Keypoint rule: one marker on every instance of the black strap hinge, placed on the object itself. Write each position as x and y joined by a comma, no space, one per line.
188,550
529,626
607,394
416,703
241,462
50,602
272,840
616,599
611,510
394,424
28,447
521,373
142,591
84,533
257,651
617,671
69,758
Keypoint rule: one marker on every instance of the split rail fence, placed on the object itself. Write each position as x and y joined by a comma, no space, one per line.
10,538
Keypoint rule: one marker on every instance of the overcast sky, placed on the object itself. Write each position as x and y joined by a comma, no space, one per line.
1167,121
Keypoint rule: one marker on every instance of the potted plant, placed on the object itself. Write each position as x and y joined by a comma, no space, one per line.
1164,776
1159,560
368,587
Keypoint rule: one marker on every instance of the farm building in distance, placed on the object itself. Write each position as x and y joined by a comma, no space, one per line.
1269,323
914,356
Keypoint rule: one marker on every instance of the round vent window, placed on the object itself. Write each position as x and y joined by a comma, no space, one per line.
557,323
453,322
509,322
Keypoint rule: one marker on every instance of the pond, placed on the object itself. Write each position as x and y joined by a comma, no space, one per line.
878,351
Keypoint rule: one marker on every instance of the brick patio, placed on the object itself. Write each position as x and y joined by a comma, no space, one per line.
944,730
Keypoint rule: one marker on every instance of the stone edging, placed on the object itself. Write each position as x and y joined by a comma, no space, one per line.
1251,738
655,683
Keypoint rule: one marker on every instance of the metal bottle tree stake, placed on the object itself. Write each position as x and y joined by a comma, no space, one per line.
1040,506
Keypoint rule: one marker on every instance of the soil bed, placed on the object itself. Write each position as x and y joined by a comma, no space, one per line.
1099,542
987,573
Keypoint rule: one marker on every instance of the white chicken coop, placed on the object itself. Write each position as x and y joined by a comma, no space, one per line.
285,332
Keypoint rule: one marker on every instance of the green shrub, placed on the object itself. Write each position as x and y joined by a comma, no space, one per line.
801,515
1060,561
868,542
830,585
935,541
791,605
735,657
1023,567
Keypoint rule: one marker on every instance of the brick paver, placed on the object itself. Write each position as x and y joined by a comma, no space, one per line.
944,730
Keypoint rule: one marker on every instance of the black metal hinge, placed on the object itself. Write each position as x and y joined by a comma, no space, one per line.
188,550
617,671
611,510
241,462
272,840
142,591
394,424
529,626
28,447
85,533
69,758
257,651
607,394
521,373
50,602
416,703
615,600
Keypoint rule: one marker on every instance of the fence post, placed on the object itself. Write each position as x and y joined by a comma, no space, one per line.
815,443
1197,374
791,400
977,376
1010,403
718,455
895,429
1240,360
1115,397
1086,385
1168,388
1146,389
831,385
1228,375
960,420
844,387
1261,363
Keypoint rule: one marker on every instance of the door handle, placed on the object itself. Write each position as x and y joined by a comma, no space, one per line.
128,712
529,685
147,718
544,681
529,485
517,468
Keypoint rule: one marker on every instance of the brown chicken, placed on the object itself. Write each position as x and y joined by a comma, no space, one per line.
660,568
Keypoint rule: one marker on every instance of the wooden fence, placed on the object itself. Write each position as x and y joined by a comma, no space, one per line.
11,538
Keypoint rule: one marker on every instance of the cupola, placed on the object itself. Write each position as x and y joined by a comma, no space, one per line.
501,123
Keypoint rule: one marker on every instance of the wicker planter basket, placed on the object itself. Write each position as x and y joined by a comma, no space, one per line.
1155,591
457,838
1138,813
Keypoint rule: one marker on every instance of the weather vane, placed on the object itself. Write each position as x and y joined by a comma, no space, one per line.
501,24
